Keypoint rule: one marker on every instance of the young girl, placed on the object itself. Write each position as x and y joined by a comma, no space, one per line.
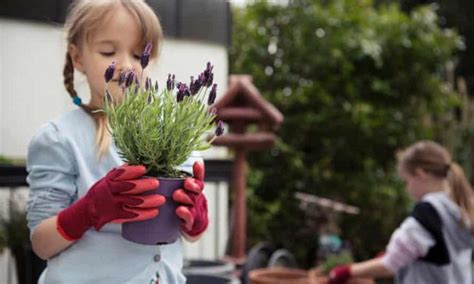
78,190
434,244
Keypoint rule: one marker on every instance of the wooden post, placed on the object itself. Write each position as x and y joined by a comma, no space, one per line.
240,208
240,107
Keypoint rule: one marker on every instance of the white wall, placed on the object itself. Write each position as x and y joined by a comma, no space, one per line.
31,93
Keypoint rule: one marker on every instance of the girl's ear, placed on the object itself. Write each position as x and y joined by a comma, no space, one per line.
76,57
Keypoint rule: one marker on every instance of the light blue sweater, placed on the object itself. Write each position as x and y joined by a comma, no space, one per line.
62,166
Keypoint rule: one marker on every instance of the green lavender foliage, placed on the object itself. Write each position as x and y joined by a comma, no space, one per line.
344,257
153,129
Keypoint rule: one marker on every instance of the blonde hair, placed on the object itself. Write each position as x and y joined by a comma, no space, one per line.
434,159
83,18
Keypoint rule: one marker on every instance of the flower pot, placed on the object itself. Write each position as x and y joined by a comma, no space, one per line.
164,228
316,277
278,275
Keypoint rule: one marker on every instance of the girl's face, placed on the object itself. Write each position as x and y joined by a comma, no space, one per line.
117,40
415,184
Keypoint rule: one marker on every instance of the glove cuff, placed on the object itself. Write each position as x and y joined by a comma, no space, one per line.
74,221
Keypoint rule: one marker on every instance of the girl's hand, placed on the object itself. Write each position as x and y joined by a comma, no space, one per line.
116,197
193,212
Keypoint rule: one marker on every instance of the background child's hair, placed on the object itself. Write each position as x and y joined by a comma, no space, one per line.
83,19
436,160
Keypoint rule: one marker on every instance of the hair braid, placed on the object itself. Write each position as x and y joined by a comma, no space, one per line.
68,73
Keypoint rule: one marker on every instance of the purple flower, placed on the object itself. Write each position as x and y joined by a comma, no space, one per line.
109,72
179,97
156,86
130,79
148,84
149,99
201,78
170,82
195,85
208,75
220,128
183,91
145,57
122,77
212,95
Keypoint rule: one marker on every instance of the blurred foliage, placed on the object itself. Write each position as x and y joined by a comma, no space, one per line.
14,232
13,228
5,161
334,260
455,14
355,83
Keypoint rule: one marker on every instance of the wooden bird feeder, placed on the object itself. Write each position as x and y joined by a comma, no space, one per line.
240,107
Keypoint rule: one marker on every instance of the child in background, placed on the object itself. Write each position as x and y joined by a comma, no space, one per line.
434,244
79,188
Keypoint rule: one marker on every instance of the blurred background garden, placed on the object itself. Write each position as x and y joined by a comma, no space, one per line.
356,80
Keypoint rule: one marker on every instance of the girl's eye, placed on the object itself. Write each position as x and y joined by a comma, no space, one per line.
137,57
108,53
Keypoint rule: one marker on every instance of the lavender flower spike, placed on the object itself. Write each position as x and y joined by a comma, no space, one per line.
182,92
130,79
147,83
156,86
170,82
145,57
109,72
195,85
208,75
149,100
212,95
122,77
220,128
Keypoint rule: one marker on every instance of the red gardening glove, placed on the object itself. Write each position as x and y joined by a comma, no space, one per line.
340,274
116,197
193,212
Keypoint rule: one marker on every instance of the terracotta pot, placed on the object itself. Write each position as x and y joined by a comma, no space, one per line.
316,277
279,275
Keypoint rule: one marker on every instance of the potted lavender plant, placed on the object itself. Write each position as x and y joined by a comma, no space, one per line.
160,129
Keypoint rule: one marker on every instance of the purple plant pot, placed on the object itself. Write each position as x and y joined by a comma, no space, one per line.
164,228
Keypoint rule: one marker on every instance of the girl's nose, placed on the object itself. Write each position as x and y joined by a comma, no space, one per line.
124,63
